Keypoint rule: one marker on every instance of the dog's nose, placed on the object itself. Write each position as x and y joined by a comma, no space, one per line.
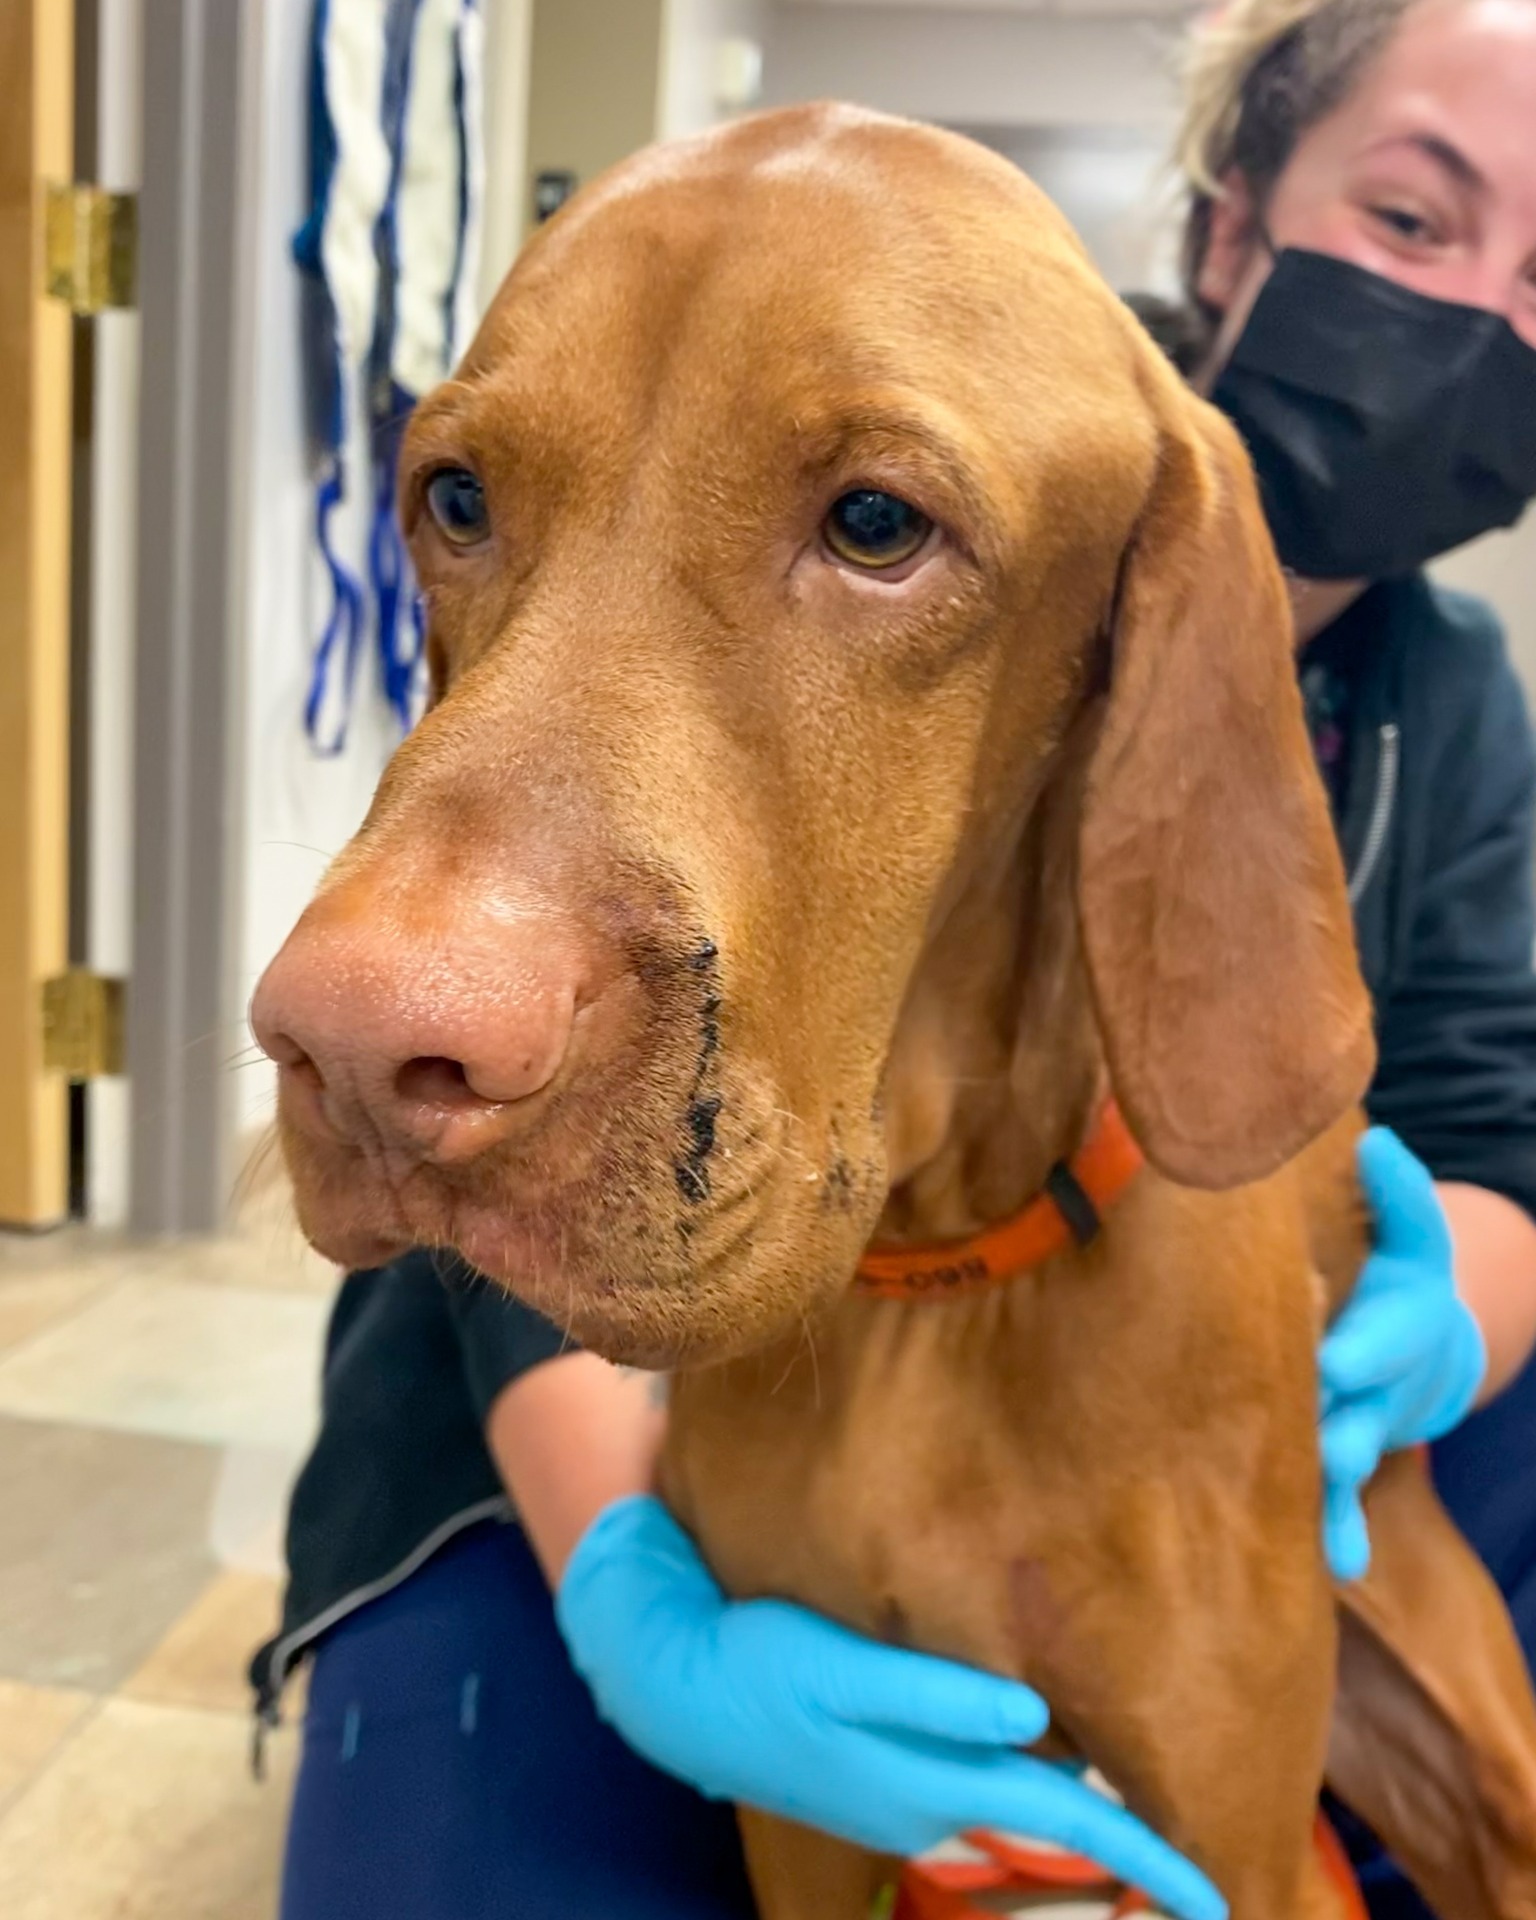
437,1048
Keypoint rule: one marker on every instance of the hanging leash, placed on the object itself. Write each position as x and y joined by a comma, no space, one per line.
334,250
429,257
1025,1880
389,255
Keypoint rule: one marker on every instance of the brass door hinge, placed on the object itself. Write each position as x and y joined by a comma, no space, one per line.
83,1024
91,246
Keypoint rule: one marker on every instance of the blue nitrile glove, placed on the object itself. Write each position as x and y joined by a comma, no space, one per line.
1404,1360
767,1703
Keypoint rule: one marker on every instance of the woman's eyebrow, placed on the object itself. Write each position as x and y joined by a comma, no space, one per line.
1443,153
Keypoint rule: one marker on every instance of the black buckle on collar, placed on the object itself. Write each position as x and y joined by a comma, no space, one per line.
1073,1203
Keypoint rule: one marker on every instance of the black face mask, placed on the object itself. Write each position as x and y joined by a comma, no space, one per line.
1386,427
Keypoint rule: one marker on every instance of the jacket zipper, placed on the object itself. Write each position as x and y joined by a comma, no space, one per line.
284,1653
1382,804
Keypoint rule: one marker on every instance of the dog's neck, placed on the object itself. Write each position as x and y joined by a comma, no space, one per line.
997,1068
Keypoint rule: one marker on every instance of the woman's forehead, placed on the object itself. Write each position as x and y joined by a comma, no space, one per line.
1454,88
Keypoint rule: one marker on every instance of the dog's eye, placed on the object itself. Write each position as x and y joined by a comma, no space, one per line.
874,530
456,501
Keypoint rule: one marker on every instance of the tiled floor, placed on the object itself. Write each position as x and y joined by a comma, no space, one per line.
154,1402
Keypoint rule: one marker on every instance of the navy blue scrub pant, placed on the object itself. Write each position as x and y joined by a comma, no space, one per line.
453,1768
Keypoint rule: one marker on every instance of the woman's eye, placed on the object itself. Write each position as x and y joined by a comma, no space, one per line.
456,501
874,530
1403,222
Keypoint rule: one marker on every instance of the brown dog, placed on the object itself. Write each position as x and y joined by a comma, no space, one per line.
768,878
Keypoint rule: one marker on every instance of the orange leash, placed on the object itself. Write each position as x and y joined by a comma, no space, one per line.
1336,1865
942,1889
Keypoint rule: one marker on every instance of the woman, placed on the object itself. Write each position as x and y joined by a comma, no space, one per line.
1361,260
1360,168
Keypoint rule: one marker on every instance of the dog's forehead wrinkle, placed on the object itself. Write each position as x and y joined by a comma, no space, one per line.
633,337
685,435
974,242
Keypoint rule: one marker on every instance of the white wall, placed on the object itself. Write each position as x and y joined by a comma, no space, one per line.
692,34
1111,184
110,621
975,69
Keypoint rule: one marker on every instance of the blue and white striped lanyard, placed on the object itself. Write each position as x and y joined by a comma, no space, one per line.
390,254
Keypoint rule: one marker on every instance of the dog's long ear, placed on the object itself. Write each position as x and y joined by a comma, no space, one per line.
1434,1733
1211,892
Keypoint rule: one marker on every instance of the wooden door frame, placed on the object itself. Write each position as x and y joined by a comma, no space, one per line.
36,146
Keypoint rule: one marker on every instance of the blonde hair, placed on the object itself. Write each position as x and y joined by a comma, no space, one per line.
1258,75
1260,72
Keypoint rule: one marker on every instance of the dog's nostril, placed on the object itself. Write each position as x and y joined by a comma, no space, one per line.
431,1081
286,1054
304,1070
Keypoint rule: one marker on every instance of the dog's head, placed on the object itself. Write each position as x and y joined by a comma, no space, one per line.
803,488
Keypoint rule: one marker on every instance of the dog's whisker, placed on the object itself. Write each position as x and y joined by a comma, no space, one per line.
258,1164
213,1034
569,1328
301,846
810,1343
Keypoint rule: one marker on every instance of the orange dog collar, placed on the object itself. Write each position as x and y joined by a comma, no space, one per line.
1077,1193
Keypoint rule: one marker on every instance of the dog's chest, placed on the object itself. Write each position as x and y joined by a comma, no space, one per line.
878,1494
873,1527
989,1484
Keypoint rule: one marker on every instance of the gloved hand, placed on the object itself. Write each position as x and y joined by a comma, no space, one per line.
1404,1360
767,1703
